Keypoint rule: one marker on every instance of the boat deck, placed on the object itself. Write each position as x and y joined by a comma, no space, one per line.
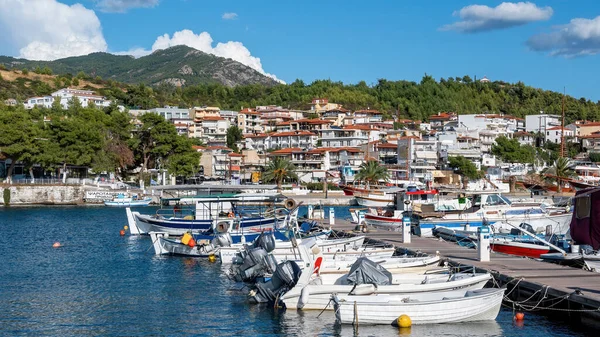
553,283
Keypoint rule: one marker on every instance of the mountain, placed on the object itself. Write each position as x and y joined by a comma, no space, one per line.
179,66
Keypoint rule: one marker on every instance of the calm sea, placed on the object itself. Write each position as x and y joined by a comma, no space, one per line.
102,284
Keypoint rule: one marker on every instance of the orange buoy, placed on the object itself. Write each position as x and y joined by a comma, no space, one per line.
192,243
519,316
122,232
125,227
56,245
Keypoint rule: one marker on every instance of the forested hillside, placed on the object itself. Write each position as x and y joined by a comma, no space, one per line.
407,99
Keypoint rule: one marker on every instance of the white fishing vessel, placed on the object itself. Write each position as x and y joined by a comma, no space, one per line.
313,290
422,308
499,212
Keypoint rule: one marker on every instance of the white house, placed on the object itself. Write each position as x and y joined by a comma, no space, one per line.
65,95
555,134
541,122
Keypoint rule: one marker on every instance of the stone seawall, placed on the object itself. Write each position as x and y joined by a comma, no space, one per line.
44,194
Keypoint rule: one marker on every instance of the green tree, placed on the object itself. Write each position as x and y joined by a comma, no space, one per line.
511,151
371,172
465,168
234,135
17,138
25,71
75,82
278,170
559,171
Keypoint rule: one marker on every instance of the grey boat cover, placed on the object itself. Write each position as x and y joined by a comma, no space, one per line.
365,271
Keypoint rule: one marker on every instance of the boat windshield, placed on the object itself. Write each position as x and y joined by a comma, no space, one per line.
496,200
505,199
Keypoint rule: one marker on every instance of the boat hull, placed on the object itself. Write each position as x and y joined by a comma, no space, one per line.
373,201
318,296
131,203
147,224
384,222
519,248
560,223
483,305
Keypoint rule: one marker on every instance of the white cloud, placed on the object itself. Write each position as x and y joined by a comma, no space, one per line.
229,16
579,37
204,42
479,18
121,6
47,29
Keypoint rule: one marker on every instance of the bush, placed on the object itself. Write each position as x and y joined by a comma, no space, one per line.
25,71
6,195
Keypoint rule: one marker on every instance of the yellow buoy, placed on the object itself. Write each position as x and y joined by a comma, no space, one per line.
404,321
125,227
212,258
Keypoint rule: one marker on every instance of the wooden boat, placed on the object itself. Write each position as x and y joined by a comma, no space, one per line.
377,199
422,308
121,200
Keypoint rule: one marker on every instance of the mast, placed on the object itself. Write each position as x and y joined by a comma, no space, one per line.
562,130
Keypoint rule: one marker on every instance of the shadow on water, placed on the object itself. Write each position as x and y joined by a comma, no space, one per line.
102,284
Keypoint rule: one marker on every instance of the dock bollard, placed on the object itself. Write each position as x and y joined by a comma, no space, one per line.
484,243
331,216
310,211
406,229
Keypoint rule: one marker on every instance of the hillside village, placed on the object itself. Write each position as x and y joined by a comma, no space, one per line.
329,140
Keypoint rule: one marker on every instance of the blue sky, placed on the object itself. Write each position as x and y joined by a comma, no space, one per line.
345,41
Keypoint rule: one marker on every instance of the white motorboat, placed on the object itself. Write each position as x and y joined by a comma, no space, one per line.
499,212
394,264
313,290
122,200
422,308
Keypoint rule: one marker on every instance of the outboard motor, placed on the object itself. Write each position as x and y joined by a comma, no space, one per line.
257,263
222,240
266,241
284,278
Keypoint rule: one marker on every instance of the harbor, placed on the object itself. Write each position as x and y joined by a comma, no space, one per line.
533,285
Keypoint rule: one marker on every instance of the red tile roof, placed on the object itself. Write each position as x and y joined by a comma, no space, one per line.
256,135
557,128
233,154
441,115
288,150
312,121
212,118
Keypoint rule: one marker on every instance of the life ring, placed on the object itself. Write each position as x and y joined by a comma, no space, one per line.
289,203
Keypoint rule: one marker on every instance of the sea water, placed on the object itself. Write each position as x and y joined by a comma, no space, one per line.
102,284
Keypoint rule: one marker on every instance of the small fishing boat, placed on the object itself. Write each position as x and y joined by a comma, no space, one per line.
313,290
499,212
201,213
122,200
422,308
518,247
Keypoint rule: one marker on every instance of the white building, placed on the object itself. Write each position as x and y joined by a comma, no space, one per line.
171,112
555,134
65,95
541,122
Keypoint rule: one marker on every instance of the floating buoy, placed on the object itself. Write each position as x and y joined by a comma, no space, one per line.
212,258
56,245
192,243
404,321
519,316
125,227
122,232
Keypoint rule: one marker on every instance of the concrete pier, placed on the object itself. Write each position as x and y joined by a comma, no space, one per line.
532,285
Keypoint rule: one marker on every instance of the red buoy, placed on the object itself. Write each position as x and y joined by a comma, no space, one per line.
192,243
519,316
122,232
